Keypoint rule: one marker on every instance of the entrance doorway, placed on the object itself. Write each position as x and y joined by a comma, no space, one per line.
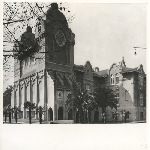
96,116
70,114
60,113
50,114
77,117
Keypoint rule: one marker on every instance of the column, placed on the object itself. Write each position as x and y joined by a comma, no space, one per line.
27,81
16,102
50,93
12,98
34,90
27,93
22,94
41,89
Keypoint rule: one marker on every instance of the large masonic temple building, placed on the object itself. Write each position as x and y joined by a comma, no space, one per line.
45,66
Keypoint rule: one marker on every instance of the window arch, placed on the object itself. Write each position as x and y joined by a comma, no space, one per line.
117,78
60,113
112,80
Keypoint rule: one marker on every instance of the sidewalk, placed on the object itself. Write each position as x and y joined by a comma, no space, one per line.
35,121
24,121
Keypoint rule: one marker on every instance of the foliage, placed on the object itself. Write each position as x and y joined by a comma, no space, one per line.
30,106
7,96
79,100
105,97
16,110
41,111
16,17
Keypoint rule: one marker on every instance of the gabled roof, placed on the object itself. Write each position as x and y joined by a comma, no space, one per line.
79,68
125,70
103,72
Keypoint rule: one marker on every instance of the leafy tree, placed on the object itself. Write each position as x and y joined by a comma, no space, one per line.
7,96
41,111
79,100
9,110
30,106
5,112
105,97
16,110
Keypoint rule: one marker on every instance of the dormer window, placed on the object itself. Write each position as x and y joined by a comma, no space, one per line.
117,79
112,80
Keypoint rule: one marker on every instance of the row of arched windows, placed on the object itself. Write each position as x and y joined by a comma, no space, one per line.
114,79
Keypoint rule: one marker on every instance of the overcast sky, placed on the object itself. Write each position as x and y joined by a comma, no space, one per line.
106,32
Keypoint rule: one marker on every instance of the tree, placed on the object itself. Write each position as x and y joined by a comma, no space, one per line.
16,110
9,110
7,96
41,111
16,17
30,106
5,112
105,97
79,100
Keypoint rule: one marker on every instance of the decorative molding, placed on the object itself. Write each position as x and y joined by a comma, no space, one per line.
40,76
59,78
16,84
68,79
27,81
22,83
33,78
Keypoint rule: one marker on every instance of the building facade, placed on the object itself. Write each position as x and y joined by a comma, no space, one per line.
45,65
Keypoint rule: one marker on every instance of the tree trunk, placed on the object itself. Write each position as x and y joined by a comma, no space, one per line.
40,116
88,116
9,117
16,116
30,115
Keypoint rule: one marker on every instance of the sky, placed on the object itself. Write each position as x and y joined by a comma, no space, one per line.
104,33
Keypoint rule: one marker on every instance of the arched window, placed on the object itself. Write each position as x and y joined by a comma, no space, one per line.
117,78
96,116
60,113
50,114
112,80
70,114
141,99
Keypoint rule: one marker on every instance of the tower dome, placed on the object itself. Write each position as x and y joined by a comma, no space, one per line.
54,14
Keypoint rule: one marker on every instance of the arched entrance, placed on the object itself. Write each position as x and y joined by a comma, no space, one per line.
70,114
96,116
77,117
50,114
60,113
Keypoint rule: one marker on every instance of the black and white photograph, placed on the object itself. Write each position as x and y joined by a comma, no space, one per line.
76,65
